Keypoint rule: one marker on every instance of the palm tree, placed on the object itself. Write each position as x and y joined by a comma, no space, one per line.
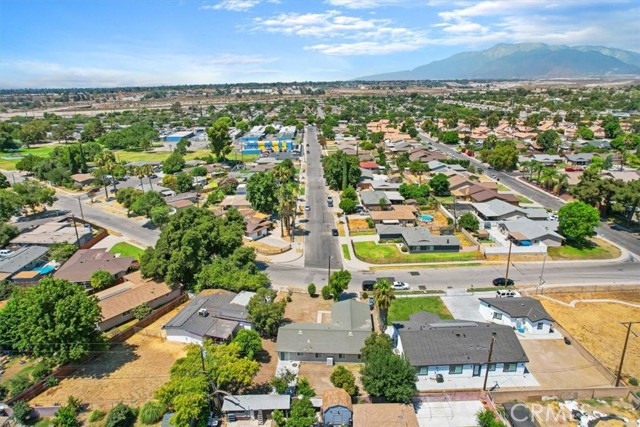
383,294
287,207
561,184
538,168
549,177
282,176
147,170
106,161
139,172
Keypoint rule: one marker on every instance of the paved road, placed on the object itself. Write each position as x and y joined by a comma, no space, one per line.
622,238
320,245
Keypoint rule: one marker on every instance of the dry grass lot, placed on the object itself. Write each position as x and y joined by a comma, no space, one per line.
268,362
318,374
558,365
303,308
130,372
617,407
597,326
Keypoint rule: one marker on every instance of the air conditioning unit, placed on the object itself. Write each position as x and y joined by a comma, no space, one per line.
329,361
203,312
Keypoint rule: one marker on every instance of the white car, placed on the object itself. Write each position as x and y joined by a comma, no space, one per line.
400,286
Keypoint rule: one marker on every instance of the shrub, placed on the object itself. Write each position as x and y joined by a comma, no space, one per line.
279,384
19,383
52,382
342,378
101,279
370,223
304,388
404,249
3,392
96,415
365,295
326,293
40,372
151,412
278,418
311,289
6,288
120,415
22,411
249,342
633,381
142,311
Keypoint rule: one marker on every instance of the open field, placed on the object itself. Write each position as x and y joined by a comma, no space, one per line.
401,308
390,254
126,249
9,163
617,407
600,250
129,372
304,308
596,325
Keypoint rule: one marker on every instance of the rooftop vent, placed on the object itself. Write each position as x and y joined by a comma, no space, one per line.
203,312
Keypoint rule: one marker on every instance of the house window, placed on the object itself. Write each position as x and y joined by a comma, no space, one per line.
540,325
497,316
317,355
510,367
299,354
455,369
492,366
424,370
340,356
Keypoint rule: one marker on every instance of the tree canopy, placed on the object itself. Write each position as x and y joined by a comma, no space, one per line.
339,282
440,184
262,192
577,221
137,137
219,139
264,313
55,320
341,171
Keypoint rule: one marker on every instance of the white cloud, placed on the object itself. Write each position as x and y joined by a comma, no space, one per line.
236,5
366,4
353,35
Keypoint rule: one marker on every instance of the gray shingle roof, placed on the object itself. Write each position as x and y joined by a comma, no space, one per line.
494,208
417,236
256,402
521,307
373,197
20,258
350,326
429,341
532,230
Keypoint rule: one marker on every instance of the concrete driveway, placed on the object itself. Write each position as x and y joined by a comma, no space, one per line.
466,307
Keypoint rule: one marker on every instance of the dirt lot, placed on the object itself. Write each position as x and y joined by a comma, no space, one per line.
303,308
597,327
558,365
130,372
318,375
617,407
268,362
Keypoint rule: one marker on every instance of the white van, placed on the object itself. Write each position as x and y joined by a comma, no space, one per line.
505,293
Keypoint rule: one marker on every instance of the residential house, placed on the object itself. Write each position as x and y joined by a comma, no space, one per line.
547,159
255,406
337,410
181,204
22,259
499,210
118,302
191,196
525,315
257,228
54,232
83,179
488,195
384,415
626,176
526,232
384,185
459,181
374,200
215,314
436,166
580,159
419,239
235,201
83,263
399,214
443,350
338,341
394,197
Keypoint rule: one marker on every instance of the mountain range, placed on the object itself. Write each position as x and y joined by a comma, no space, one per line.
524,61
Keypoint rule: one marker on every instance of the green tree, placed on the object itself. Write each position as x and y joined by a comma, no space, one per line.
34,194
120,415
7,233
170,182
302,413
414,191
61,252
264,313
383,295
303,388
101,279
4,182
184,182
219,139
92,130
349,193
34,132
440,185
192,238
339,282
137,137
160,215
10,204
22,412
151,412
6,289
142,311
469,222
487,418
449,137
311,289
54,320
174,163
341,171
342,378
577,221
199,171
348,206
249,342
262,192
584,132
503,157
67,415
236,273
386,374
493,121
127,196
549,141
146,202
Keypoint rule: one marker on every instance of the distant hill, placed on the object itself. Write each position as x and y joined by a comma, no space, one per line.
524,61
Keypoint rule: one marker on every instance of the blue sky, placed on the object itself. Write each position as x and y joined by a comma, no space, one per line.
88,43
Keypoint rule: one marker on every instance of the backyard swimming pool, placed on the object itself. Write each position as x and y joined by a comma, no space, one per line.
425,217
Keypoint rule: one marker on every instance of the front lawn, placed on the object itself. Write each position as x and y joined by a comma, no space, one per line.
401,308
523,199
126,249
599,249
374,253
345,251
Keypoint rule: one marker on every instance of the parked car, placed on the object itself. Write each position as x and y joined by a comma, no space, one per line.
334,232
5,252
367,285
500,281
307,207
400,286
153,176
371,303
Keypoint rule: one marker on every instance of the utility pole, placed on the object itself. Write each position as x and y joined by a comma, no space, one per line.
204,372
506,276
81,211
75,227
328,269
486,374
624,349
542,272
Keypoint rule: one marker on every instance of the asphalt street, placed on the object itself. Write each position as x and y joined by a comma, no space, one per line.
321,248
620,237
